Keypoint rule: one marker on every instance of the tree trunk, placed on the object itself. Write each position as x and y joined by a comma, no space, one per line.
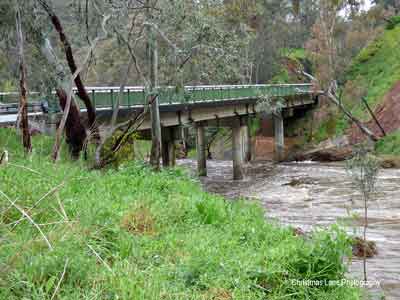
82,94
153,99
74,130
23,105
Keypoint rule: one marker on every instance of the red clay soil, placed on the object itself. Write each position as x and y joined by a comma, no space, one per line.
264,147
387,113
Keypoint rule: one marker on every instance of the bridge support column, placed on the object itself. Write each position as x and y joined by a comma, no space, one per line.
246,141
237,150
168,153
201,149
279,137
168,147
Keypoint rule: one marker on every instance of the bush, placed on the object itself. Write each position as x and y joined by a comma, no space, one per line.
125,154
393,22
389,144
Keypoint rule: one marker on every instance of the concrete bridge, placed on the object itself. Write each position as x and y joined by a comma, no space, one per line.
200,106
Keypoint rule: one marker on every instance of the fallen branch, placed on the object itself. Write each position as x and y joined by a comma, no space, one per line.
22,211
99,258
61,279
51,191
330,94
373,116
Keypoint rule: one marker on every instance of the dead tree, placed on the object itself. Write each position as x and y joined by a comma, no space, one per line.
23,103
67,48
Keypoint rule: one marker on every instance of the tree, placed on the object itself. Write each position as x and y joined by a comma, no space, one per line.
363,169
389,4
23,103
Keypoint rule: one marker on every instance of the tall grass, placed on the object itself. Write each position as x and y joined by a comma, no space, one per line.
134,234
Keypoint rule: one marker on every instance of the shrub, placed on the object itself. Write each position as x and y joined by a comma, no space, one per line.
125,154
393,22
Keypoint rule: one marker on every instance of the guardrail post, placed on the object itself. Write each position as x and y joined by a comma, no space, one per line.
112,99
201,149
94,99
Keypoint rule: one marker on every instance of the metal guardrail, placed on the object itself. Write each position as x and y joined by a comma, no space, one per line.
107,97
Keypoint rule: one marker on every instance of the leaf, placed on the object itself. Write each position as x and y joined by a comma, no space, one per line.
50,283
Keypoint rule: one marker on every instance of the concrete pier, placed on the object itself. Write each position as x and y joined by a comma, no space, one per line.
237,150
168,153
201,149
279,137
246,134
169,136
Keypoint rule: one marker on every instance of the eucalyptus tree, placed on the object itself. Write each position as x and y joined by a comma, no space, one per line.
13,41
196,43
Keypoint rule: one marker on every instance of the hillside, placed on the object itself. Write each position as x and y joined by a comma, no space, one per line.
374,74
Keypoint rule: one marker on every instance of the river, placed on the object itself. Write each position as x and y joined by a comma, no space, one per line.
309,194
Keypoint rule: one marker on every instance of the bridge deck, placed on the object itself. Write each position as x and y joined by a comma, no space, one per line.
107,97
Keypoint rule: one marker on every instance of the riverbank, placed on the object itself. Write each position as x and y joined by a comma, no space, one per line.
309,195
135,234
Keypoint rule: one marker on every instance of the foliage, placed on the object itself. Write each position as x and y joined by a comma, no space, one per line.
291,59
389,144
136,234
372,74
376,68
393,22
363,169
126,152
268,104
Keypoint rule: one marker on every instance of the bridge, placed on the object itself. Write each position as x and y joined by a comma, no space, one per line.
200,106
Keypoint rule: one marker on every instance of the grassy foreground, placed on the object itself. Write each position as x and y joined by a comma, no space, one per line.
134,234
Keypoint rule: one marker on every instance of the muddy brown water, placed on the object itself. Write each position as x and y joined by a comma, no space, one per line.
310,194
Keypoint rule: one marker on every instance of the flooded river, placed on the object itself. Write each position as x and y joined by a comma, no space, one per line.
310,194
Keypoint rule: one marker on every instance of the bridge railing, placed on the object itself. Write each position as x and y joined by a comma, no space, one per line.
136,96
107,97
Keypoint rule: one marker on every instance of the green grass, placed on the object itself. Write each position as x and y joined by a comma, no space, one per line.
376,69
389,145
372,73
131,233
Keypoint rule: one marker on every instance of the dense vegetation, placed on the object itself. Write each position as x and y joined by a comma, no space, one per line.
135,234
